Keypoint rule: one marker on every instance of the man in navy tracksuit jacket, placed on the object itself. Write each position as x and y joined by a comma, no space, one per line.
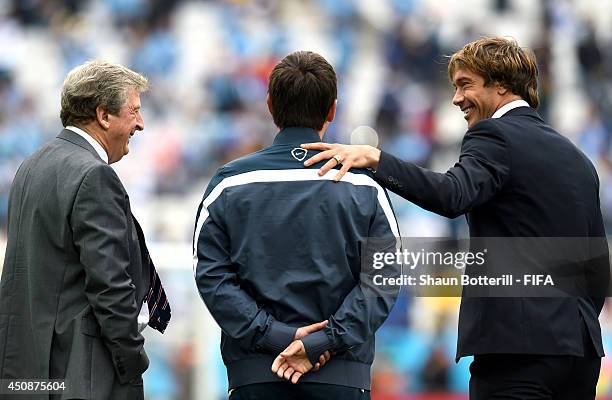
277,249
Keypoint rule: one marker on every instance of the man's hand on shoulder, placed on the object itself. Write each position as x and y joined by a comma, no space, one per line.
350,156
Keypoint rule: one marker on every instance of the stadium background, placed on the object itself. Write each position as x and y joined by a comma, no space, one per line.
208,63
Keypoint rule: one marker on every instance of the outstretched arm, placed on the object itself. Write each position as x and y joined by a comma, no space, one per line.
483,167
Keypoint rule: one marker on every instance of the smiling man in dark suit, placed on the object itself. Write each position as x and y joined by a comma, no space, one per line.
76,269
516,177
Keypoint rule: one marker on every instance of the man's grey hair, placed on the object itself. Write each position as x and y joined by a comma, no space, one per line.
97,83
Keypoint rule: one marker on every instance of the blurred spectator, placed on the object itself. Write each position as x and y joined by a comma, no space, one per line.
435,372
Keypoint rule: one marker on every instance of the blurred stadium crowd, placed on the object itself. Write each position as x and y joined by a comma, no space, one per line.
208,62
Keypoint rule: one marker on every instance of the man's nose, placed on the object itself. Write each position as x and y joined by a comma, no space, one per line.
458,97
139,122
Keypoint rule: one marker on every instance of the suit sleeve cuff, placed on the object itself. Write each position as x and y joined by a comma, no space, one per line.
130,367
380,173
383,173
279,336
316,344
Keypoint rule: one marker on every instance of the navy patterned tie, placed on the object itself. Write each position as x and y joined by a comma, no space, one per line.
159,308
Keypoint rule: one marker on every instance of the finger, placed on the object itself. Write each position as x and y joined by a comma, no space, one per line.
296,377
316,327
288,352
327,356
316,367
281,371
322,360
292,349
324,155
343,170
278,361
316,146
319,325
288,372
327,166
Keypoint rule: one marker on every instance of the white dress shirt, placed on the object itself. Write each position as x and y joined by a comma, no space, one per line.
97,146
510,106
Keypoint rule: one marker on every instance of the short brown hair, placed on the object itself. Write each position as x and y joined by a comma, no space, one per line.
302,89
93,84
500,60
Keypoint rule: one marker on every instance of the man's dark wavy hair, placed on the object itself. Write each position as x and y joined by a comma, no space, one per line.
302,88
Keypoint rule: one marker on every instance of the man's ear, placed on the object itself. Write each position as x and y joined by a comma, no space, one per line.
269,103
502,91
102,117
331,114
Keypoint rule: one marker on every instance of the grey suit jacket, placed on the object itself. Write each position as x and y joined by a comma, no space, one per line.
74,277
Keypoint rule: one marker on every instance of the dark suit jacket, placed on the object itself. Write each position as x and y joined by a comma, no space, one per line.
516,177
74,277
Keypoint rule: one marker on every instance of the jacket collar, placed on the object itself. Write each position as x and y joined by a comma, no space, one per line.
294,136
523,112
97,146
509,106
80,141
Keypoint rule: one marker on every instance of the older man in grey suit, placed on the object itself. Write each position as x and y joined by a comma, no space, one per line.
77,270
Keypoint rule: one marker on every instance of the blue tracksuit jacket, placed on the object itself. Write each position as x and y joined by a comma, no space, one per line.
277,247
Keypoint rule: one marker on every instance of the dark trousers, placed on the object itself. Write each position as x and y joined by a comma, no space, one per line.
301,391
535,377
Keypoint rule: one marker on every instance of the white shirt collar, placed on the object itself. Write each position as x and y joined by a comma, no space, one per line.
510,106
97,147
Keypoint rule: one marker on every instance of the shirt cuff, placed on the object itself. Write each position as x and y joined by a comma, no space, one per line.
316,344
279,336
